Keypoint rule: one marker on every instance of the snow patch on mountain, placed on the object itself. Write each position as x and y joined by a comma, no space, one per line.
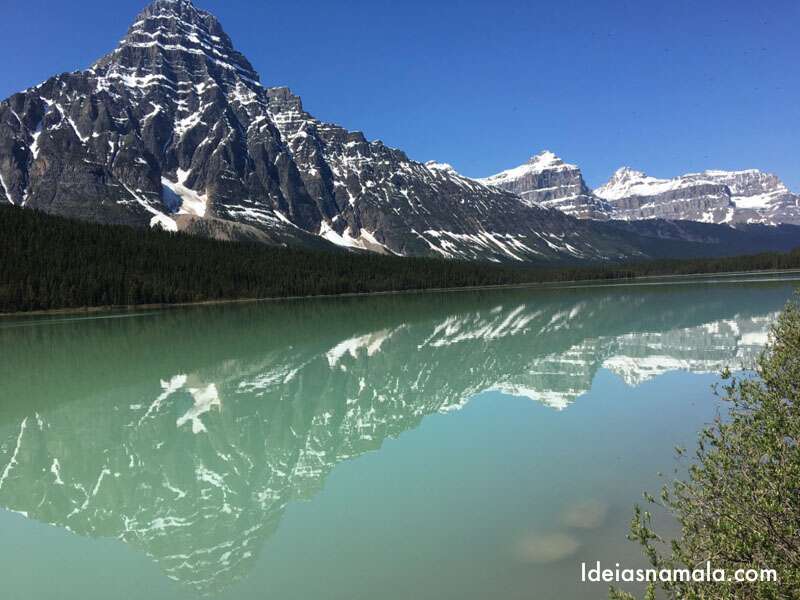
443,167
192,202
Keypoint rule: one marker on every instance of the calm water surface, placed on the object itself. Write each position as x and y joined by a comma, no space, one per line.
444,446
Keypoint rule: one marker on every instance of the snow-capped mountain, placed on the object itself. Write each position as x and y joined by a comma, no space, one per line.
160,132
710,197
546,180
729,197
174,130
375,197
636,196
759,197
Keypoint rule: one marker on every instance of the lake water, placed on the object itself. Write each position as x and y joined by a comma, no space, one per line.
465,446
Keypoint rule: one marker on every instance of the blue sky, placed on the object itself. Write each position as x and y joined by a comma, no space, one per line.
665,87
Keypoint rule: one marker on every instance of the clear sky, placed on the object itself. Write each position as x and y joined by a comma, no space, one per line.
667,87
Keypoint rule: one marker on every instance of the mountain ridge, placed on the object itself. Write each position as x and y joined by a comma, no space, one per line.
712,196
173,129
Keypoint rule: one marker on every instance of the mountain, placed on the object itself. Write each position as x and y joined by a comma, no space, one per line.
546,180
156,133
759,197
377,198
193,456
729,197
174,130
709,197
636,196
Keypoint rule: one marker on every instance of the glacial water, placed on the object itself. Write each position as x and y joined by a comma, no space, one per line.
466,445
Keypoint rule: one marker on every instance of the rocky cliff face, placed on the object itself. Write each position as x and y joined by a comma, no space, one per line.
759,197
636,196
709,197
546,180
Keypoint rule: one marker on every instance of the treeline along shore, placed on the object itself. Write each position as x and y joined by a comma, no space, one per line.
50,263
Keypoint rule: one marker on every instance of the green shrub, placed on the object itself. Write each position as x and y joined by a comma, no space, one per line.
739,507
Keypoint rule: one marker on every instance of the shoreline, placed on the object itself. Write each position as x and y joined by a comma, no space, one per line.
568,284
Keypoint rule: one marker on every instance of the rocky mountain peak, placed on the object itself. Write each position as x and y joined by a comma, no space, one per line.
546,160
624,174
173,42
440,166
183,9
625,181
547,181
282,99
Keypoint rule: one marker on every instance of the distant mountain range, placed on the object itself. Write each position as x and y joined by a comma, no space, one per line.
173,129
729,197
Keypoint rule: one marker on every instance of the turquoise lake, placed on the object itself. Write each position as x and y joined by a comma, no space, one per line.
466,445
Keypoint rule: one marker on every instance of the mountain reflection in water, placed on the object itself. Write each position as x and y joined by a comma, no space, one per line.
186,433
